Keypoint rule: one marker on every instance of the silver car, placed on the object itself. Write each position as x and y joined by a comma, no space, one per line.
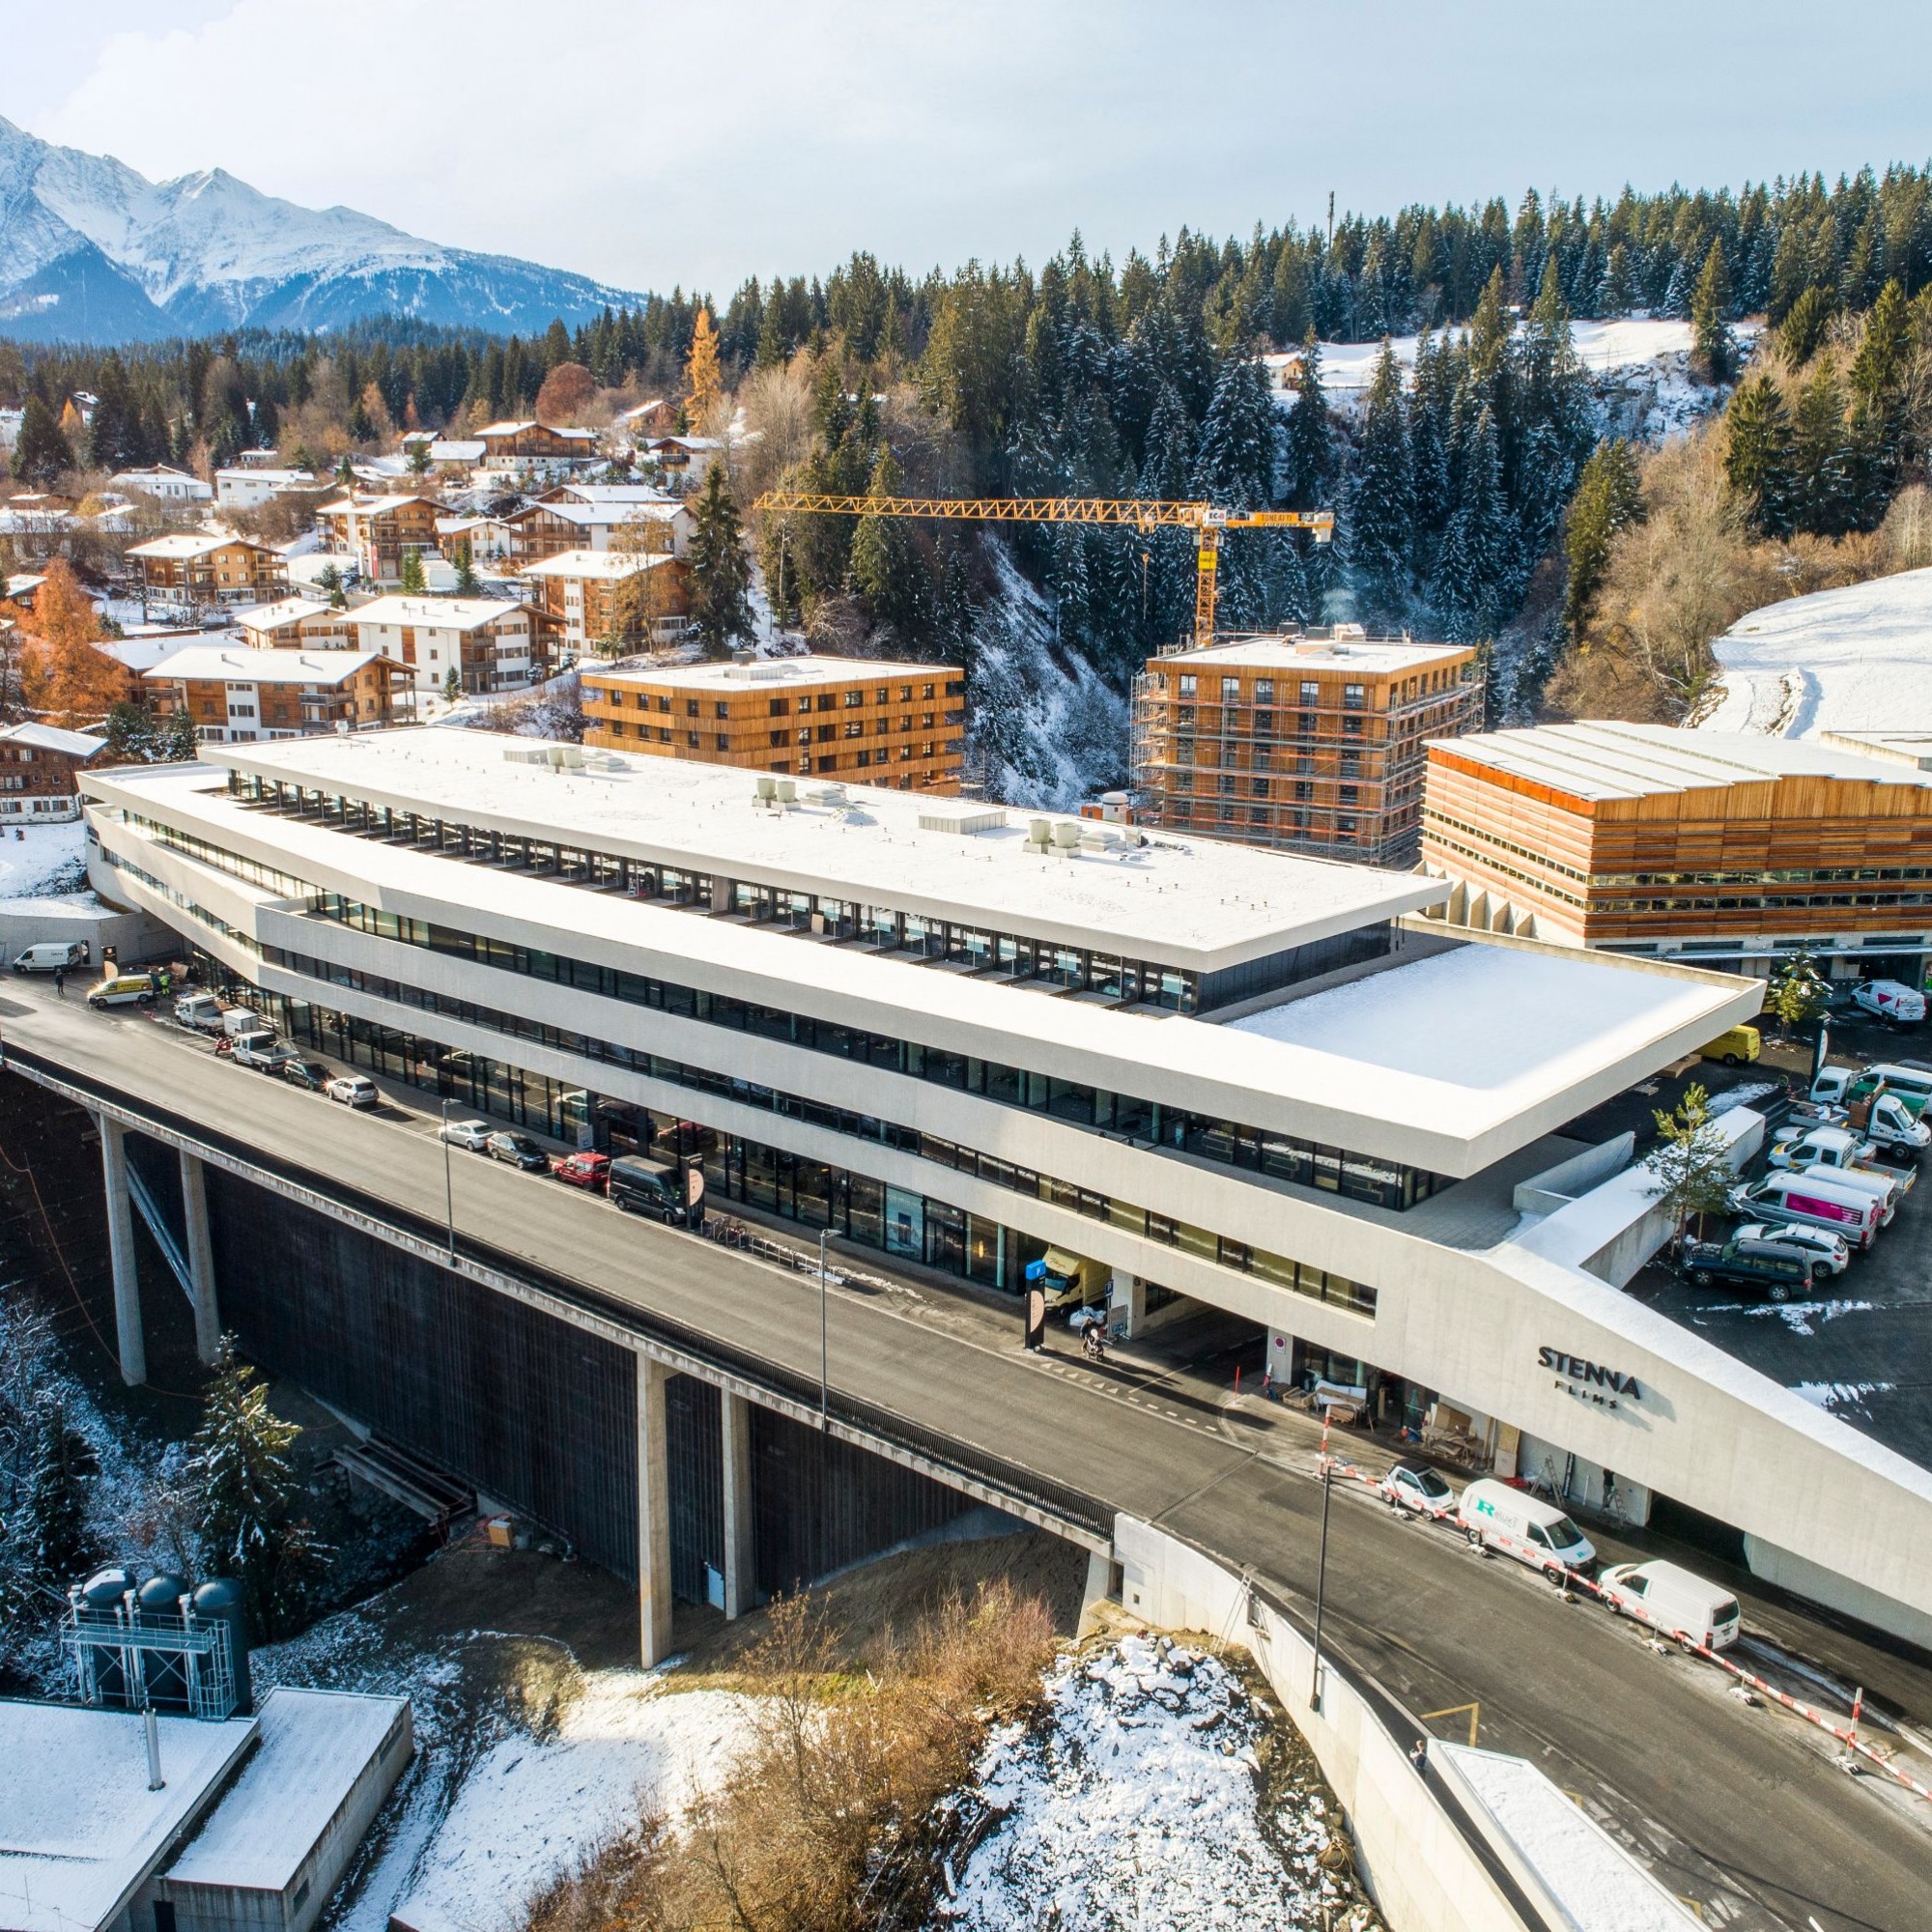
1821,1249
471,1134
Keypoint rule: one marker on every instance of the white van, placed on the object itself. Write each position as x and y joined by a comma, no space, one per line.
1496,1516
1674,1601
1848,1212
1915,1081
1887,1189
52,955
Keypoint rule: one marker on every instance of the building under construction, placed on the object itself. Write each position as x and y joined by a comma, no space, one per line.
1310,741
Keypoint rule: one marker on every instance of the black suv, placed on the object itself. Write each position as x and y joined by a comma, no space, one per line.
519,1151
1774,1271
309,1073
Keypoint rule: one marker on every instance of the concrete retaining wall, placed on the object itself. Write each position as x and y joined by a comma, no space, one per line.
1423,1872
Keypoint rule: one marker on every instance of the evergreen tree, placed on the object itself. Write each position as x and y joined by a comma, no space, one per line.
1803,327
468,584
410,573
1167,472
1309,457
250,1494
56,1541
1477,546
452,685
1615,294
179,745
1822,457
1714,353
1758,456
887,569
1429,414
1607,498
721,569
1797,996
1381,508
41,453
1235,458
267,423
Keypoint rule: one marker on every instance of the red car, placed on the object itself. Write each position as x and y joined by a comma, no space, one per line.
584,1170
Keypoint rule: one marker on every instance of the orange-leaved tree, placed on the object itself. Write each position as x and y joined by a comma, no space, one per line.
62,673
703,376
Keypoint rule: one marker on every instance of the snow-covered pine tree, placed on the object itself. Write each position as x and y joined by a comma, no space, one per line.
1382,505
1429,412
248,1494
1237,454
53,1536
1758,456
888,570
1615,294
1308,456
721,569
1822,457
1675,300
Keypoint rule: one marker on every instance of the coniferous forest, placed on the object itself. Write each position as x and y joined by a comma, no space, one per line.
1482,495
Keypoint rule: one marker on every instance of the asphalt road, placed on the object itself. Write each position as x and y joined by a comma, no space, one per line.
1737,1809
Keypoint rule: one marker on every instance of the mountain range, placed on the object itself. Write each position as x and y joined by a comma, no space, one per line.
92,251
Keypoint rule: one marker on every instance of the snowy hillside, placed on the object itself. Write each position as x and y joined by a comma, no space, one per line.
92,251
1837,660
1639,369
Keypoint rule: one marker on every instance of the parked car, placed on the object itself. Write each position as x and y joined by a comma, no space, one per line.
1761,1266
309,1073
1889,1000
199,1012
1846,1086
519,1150
1782,1197
647,1187
471,1134
1826,1251
1737,1047
353,1090
262,1051
1820,1147
1415,1486
52,955
592,1171
122,989
1496,1516
1673,1600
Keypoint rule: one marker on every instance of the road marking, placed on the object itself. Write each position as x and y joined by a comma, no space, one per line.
1475,1711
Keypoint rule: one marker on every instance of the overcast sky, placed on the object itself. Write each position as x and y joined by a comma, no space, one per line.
651,144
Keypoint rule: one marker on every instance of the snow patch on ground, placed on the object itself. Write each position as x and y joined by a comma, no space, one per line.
1138,1800
1853,659
1801,1316
1749,1095
1834,1396
42,861
530,1808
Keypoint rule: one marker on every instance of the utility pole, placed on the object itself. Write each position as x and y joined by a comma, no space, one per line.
1320,1574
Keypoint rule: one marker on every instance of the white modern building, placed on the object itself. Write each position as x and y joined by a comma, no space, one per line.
1174,1072
164,484
488,644
251,487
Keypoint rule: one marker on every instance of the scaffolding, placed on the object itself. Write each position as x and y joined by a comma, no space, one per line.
136,1660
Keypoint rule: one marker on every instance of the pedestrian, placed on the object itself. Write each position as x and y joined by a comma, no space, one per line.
1268,1382
1419,1758
60,981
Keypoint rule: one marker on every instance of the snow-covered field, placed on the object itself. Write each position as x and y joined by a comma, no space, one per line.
43,860
1140,1802
1855,658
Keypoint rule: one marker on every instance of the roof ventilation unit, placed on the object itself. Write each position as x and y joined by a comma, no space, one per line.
961,820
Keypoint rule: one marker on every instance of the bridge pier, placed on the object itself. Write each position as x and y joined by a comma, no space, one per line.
199,1257
132,1345
654,1587
740,1572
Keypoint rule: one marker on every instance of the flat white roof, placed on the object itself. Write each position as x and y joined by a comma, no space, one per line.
314,1746
1180,901
80,1829
611,564
247,666
436,614
1292,653
196,545
1484,1024
283,611
51,738
1603,760
1453,1119
781,672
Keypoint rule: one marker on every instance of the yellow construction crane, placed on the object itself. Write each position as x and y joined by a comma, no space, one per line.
1207,522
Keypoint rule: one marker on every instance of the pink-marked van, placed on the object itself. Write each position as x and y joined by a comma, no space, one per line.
1853,1212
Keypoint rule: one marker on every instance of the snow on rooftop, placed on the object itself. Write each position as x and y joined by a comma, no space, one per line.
436,614
1595,1885
1180,901
51,738
79,1829
283,611
1487,1020
314,1745
810,668
1288,653
1615,760
245,665
1849,660
609,564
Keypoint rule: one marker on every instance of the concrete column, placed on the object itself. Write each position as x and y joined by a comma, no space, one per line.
120,1252
199,1257
1126,1303
740,1545
653,1514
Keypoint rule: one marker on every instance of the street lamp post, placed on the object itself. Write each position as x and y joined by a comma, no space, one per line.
1320,1577
448,1184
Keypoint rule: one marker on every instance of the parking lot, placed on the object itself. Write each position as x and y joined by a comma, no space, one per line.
1862,1346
